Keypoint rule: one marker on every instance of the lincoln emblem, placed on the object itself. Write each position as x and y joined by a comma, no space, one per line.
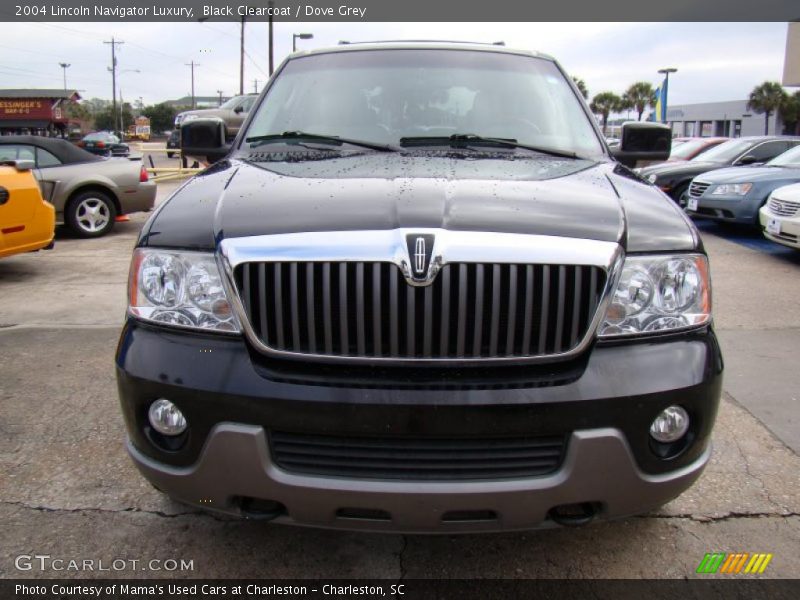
419,256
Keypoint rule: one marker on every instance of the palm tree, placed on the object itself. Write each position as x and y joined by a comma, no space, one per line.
581,84
639,96
603,104
790,114
767,98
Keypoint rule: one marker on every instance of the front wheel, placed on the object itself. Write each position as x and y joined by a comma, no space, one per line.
91,214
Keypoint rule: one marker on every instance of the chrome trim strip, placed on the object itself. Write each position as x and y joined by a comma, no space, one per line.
390,246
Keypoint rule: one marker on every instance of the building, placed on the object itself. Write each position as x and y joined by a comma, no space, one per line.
37,111
791,64
729,119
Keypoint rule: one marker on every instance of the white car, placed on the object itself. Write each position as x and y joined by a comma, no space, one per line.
780,216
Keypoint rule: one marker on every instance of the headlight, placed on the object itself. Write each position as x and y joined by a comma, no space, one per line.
659,293
187,118
179,288
732,189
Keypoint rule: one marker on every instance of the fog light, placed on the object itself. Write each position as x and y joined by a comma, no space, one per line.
670,425
166,418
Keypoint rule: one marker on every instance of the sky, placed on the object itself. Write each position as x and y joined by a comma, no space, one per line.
715,61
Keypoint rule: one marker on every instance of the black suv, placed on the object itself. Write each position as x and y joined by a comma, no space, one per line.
418,294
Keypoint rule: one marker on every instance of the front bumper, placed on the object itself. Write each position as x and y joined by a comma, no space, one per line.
233,399
731,209
790,228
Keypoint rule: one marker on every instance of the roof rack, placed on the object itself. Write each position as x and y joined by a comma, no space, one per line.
347,43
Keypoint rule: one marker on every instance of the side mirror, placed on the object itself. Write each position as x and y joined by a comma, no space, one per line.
747,159
643,140
238,109
204,139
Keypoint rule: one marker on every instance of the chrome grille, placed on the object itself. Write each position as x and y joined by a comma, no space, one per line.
783,208
698,188
469,311
361,457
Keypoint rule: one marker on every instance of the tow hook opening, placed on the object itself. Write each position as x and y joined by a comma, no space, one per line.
574,515
259,509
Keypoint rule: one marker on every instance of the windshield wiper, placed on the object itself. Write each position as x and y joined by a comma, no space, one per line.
461,140
316,137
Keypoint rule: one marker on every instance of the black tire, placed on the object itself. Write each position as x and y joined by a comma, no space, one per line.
678,193
170,154
90,214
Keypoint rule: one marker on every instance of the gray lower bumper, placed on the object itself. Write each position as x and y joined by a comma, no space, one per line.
598,468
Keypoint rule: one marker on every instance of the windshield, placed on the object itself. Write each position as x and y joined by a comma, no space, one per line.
232,103
98,137
726,152
790,158
382,96
687,149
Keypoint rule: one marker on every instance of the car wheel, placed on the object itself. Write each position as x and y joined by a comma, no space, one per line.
170,154
91,214
681,195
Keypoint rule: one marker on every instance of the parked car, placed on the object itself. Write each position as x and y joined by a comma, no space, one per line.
232,113
420,296
104,143
689,148
27,221
88,192
736,194
173,142
674,178
780,216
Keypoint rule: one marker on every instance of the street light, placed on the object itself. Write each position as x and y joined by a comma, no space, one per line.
666,73
64,66
120,123
301,36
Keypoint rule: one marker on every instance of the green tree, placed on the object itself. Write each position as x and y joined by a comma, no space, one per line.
105,120
790,114
767,98
639,96
604,104
581,84
162,116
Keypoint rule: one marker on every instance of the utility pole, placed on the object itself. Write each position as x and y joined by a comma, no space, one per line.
192,65
255,85
220,97
241,60
271,5
114,43
64,66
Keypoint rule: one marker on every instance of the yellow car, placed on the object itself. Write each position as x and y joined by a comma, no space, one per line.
27,221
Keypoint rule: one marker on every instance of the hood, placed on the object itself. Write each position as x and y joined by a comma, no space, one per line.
751,174
679,168
377,191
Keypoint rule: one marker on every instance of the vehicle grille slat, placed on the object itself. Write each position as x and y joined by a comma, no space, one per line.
326,307
311,321
545,308
698,188
444,333
279,305
262,305
478,319
369,310
783,208
494,328
344,332
360,316
417,458
377,317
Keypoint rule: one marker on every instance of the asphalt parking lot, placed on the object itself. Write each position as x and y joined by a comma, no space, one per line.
68,489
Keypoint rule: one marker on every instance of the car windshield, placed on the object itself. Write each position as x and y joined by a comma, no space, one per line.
790,158
383,96
232,103
95,137
726,152
685,150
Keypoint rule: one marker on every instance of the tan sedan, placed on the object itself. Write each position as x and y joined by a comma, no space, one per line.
87,191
